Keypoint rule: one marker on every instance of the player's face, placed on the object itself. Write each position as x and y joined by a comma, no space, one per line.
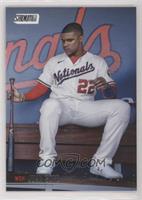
72,43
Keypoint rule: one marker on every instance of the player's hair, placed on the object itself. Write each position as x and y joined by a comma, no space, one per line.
71,27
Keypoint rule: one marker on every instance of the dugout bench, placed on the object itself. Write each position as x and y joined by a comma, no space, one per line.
72,142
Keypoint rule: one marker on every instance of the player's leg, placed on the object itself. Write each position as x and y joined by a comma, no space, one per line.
51,111
115,115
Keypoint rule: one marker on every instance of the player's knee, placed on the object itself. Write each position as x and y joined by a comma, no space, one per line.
50,106
124,109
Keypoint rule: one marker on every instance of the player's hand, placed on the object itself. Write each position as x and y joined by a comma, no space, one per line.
17,96
100,83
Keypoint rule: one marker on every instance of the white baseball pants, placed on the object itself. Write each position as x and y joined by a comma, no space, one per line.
114,114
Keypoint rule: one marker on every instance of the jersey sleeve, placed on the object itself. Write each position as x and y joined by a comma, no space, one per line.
37,91
103,71
46,76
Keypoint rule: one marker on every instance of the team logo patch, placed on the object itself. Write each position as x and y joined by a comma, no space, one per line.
60,61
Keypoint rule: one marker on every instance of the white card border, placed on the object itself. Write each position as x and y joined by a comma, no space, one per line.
70,195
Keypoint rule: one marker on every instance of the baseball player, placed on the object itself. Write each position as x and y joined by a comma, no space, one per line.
74,77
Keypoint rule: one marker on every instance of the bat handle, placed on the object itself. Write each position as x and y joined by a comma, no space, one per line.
11,129
12,81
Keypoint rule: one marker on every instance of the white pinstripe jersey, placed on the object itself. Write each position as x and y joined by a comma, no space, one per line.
74,80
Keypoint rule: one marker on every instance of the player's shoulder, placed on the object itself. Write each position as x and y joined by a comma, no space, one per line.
58,58
95,57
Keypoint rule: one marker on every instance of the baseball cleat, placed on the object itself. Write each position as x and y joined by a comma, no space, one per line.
105,171
45,167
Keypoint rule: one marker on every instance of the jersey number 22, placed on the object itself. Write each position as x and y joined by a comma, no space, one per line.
86,86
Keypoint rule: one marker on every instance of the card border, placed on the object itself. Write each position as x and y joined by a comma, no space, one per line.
77,195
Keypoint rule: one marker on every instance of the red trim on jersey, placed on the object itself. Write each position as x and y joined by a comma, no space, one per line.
75,58
37,91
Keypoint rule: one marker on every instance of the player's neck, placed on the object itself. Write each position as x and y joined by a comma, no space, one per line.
79,53
76,56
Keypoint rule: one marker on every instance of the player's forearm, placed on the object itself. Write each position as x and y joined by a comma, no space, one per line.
37,91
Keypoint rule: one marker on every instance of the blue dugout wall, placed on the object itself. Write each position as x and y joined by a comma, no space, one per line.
109,32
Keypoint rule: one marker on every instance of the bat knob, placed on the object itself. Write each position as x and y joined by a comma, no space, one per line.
12,80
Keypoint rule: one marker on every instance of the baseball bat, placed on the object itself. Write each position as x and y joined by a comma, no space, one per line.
10,157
